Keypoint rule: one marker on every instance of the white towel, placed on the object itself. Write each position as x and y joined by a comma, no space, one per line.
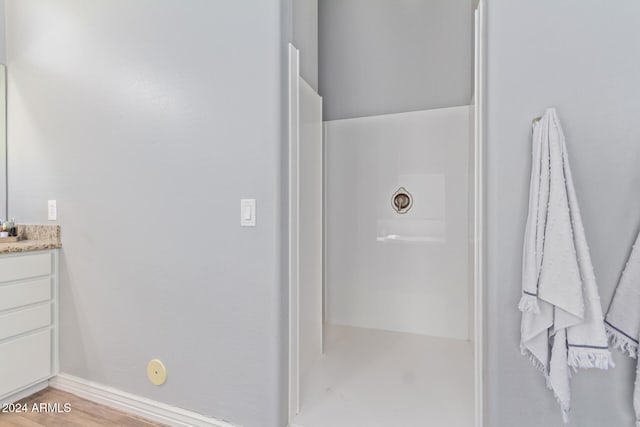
623,317
562,322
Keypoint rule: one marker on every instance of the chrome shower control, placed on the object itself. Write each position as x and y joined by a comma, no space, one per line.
401,201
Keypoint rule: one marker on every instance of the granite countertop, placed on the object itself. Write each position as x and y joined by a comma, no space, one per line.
33,238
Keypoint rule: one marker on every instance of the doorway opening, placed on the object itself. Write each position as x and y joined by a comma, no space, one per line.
386,261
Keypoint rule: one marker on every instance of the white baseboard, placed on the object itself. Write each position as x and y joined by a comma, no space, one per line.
133,404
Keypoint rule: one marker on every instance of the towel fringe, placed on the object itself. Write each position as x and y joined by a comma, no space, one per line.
564,407
529,304
622,342
591,358
540,367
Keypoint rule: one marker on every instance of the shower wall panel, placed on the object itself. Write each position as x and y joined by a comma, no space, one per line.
310,227
395,271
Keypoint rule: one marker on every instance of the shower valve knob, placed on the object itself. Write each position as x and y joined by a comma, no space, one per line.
401,201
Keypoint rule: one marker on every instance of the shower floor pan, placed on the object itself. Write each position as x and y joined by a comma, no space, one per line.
377,378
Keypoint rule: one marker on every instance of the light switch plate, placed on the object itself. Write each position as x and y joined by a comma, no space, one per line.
248,212
52,211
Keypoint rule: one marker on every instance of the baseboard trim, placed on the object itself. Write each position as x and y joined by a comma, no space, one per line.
133,404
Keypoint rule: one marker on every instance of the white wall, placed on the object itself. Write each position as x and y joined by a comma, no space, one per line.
3,34
390,271
579,56
148,121
305,38
3,60
391,56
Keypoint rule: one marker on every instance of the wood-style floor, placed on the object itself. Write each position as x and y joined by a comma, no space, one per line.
81,413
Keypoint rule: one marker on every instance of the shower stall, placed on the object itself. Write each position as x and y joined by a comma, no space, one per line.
389,267
385,263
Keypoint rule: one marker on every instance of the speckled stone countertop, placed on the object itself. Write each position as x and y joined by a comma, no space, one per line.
33,238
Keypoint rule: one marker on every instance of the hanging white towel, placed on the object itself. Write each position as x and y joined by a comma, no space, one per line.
623,318
562,322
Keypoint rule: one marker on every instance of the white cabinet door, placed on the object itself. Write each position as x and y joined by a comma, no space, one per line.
25,361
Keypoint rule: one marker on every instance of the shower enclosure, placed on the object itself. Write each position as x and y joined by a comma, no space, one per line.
385,263
399,269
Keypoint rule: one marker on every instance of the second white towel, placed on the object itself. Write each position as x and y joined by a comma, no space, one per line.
623,317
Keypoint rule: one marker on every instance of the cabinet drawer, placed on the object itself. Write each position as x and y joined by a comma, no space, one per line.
25,266
29,319
19,294
24,361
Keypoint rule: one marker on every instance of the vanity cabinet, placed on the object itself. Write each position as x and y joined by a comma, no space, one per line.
28,322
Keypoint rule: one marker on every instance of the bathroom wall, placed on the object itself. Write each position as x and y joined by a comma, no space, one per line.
391,56
305,38
401,272
147,121
3,60
3,39
579,57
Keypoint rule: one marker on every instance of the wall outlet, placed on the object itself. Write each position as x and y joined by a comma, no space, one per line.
52,213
